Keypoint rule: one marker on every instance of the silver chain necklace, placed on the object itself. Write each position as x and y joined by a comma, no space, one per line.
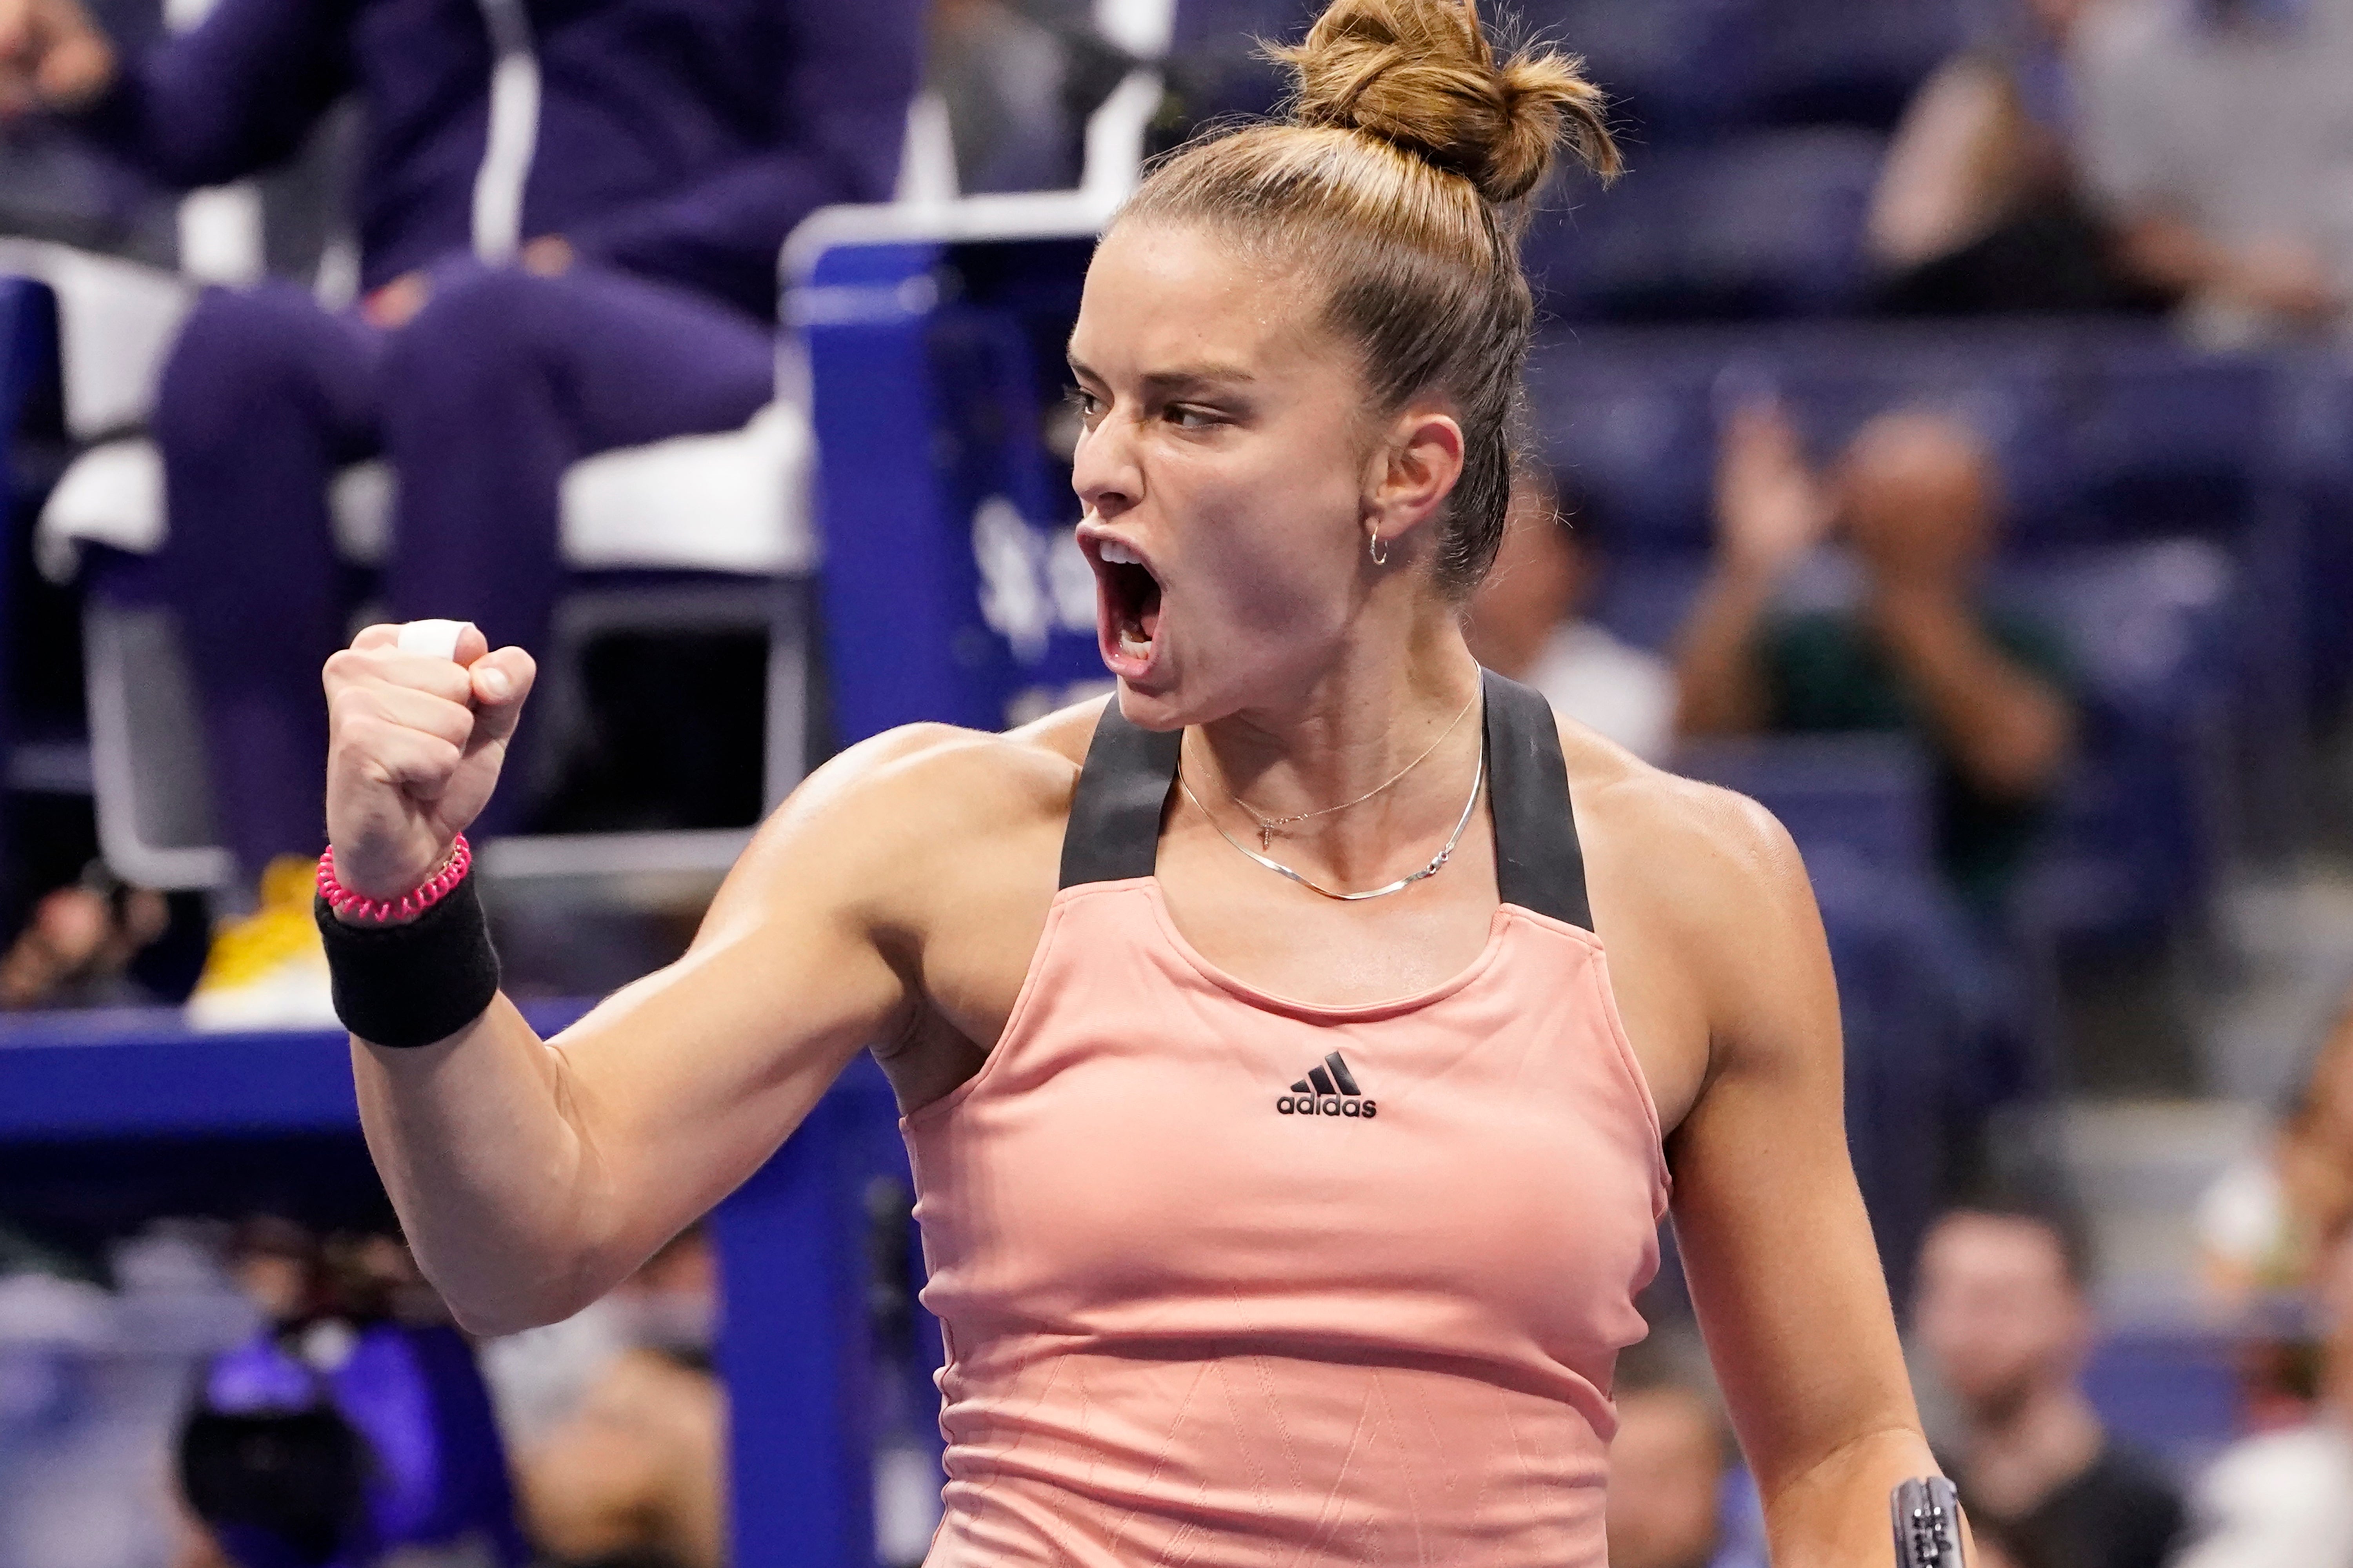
1437,864
1268,827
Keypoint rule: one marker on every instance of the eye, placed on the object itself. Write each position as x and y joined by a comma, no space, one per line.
1085,404
1186,416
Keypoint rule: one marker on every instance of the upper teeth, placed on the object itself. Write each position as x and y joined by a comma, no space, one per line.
1119,554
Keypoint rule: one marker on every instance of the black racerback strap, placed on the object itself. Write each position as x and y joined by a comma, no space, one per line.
1539,866
1113,832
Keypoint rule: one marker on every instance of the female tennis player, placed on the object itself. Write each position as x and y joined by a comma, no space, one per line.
1288,1156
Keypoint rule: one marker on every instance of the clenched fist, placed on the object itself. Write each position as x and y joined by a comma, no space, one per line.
414,746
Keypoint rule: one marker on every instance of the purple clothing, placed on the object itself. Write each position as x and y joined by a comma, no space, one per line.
676,144
678,140
501,381
416,1399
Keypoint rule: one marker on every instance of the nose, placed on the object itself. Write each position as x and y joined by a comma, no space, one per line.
1103,469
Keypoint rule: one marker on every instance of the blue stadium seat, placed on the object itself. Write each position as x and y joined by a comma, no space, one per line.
1632,436
1675,70
2138,836
2174,1394
1831,62
2314,430
1767,224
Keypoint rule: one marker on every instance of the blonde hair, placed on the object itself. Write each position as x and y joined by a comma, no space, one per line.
1403,169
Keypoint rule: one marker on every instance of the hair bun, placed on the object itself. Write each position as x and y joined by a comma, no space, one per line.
1421,74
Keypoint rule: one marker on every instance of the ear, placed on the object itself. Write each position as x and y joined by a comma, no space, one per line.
1412,472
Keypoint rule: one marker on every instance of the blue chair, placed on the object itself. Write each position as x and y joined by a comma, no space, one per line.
1632,436
1679,71
2173,1394
2314,433
1767,225
1828,62
2137,836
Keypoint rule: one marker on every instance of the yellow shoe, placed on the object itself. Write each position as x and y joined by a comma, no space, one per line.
267,970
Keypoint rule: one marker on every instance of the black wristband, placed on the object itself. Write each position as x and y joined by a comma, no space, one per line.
407,986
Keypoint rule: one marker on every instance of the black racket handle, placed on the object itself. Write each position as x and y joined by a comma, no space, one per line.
1928,1519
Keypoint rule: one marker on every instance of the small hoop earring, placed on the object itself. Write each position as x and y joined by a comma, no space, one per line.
1379,549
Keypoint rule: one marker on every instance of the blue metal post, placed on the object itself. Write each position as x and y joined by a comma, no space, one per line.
797,1349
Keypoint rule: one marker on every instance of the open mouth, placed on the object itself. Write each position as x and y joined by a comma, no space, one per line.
1128,607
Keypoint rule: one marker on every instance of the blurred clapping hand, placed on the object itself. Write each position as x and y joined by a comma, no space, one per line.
1771,507
52,56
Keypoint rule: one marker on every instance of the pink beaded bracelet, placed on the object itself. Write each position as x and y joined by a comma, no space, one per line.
352,906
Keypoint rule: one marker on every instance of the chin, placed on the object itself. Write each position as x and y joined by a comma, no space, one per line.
1158,706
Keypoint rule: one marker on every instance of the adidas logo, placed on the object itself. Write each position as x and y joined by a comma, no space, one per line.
1329,1090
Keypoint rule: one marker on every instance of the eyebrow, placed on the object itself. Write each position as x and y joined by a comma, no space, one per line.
1183,378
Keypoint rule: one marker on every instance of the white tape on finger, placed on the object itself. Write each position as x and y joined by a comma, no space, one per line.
433,640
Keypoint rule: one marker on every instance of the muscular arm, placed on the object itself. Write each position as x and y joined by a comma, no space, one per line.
1775,1241
531,1176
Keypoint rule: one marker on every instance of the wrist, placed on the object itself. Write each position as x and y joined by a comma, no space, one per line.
417,982
354,907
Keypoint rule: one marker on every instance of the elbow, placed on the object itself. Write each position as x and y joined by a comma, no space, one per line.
491,1321
508,1301
489,1315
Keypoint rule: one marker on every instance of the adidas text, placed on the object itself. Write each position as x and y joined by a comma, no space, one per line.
1329,1105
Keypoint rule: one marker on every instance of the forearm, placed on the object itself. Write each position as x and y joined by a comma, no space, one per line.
497,1186
1720,686
231,97
1834,1514
2006,729
2168,255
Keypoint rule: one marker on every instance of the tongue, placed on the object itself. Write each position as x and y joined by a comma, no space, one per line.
1148,619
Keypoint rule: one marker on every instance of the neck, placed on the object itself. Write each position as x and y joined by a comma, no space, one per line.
1343,732
2019,1457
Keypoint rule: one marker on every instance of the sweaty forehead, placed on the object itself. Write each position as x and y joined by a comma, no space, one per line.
1163,298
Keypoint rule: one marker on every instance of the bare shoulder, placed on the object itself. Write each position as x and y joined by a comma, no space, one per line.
924,808
1715,949
1675,836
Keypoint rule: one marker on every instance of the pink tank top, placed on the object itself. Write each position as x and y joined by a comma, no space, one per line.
1231,1281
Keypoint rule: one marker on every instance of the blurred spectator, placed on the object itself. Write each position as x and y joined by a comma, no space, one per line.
568,243
355,1425
1678,1498
617,1426
78,943
1980,206
2284,1498
55,186
2259,1222
1914,499
1527,621
2003,1314
2219,134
